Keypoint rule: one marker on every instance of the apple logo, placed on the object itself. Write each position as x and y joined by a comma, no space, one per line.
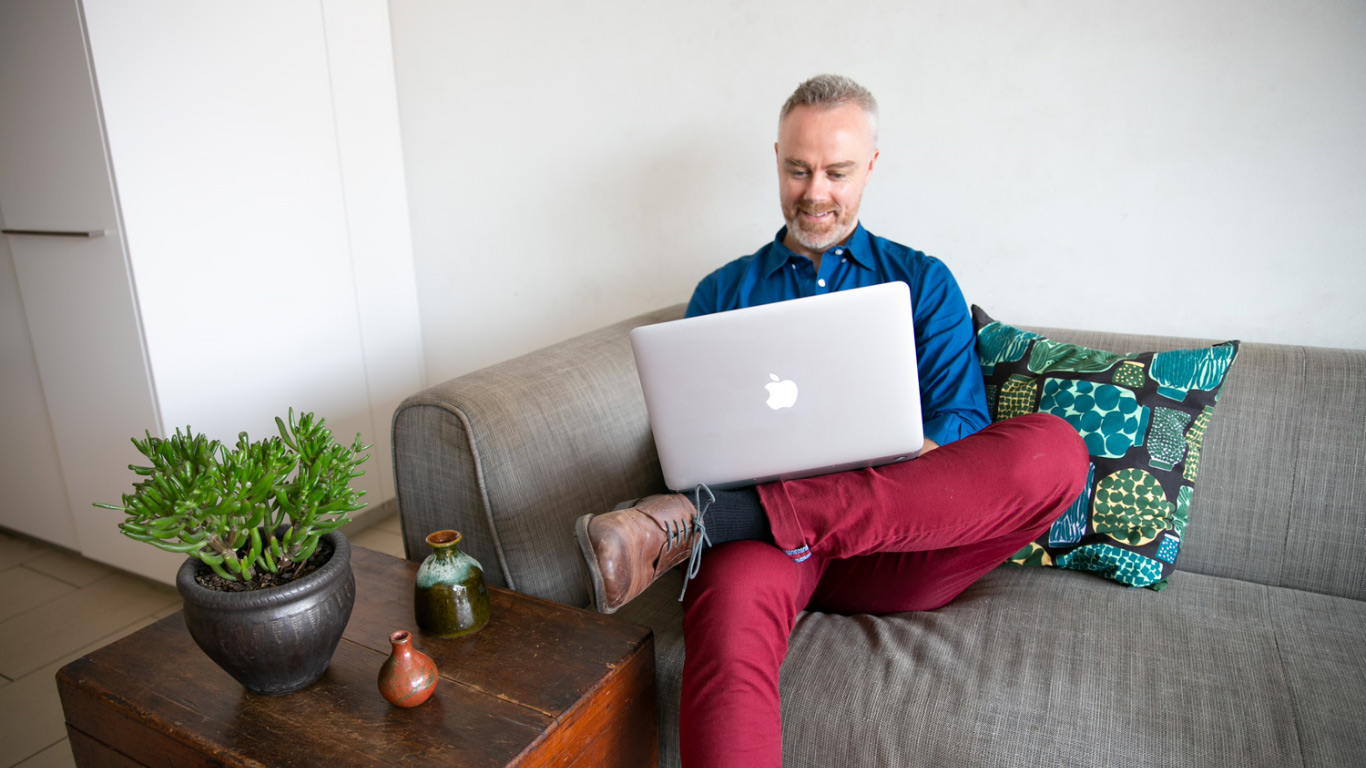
781,394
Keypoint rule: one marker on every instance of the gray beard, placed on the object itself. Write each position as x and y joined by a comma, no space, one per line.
806,242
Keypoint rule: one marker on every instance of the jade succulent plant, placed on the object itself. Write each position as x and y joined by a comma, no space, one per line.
257,508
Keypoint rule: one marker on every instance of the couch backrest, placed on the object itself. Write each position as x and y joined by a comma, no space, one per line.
513,454
1280,498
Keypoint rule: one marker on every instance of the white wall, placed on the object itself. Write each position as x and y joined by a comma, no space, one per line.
260,182
1194,169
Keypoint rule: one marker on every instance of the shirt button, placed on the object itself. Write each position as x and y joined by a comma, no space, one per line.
821,283
839,251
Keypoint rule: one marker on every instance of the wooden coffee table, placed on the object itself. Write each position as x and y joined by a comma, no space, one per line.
542,685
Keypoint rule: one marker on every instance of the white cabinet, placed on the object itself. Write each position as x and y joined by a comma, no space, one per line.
244,160
34,497
77,299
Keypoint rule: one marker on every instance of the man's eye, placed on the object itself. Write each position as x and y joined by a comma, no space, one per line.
836,176
797,174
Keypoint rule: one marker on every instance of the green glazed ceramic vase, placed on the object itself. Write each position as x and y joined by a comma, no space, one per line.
450,598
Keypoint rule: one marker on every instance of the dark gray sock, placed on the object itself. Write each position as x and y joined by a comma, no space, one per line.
736,515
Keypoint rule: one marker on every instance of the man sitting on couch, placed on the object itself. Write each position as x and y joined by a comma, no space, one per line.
902,537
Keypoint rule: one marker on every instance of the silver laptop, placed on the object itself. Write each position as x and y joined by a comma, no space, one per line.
782,391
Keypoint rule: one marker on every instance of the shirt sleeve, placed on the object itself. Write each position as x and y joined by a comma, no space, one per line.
704,297
952,396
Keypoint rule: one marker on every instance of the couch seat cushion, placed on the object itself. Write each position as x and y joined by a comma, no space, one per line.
1033,667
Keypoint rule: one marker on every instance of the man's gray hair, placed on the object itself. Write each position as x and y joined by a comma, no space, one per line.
829,91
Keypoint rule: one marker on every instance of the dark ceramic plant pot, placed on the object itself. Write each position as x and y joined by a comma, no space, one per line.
273,641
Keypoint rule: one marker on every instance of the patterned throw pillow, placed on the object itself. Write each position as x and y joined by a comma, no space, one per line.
1143,417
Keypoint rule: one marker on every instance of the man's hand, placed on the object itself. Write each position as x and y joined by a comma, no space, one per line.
930,445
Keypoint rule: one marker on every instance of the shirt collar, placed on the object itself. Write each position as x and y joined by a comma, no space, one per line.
859,248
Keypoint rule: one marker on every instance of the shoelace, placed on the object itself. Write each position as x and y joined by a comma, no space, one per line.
701,540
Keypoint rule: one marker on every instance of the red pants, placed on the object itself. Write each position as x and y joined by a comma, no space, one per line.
904,537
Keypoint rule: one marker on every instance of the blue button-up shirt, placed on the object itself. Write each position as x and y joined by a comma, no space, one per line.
952,397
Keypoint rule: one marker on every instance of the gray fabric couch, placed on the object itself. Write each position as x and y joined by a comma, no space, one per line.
1255,654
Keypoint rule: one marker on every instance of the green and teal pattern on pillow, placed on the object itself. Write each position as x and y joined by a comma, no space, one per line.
1143,418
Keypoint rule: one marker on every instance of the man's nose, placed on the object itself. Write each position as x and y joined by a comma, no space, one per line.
817,188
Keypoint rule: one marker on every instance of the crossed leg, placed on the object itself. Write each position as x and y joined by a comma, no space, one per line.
907,537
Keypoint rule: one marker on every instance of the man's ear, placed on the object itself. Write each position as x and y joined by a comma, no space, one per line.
873,162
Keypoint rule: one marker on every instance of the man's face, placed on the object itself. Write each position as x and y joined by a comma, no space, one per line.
824,158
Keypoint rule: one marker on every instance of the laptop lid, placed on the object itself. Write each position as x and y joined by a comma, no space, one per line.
781,391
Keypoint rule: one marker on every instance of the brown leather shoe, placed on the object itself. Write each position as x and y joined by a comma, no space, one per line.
628,549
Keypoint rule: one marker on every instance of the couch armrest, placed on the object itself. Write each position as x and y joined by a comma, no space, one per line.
512,454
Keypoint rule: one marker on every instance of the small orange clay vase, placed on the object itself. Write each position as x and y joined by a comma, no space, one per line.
408,677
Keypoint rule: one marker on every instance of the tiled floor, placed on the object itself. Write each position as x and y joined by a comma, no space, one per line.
55,607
